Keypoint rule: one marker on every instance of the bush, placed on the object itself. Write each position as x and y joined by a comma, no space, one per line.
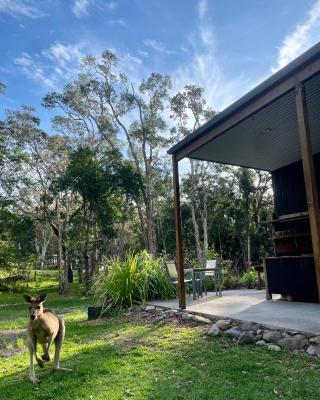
136,279
230,277
250,279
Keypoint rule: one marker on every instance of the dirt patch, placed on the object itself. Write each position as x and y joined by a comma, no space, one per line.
12,341
149,317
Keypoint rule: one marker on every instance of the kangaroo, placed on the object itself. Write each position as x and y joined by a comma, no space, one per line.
44,328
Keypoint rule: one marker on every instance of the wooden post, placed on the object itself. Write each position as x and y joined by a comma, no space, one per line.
177,215
309,176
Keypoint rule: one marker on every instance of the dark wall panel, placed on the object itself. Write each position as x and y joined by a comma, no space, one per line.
288,187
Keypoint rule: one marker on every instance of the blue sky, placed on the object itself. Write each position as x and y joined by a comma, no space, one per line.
225,46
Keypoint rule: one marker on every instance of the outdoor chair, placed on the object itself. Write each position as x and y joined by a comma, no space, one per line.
214,275
173,274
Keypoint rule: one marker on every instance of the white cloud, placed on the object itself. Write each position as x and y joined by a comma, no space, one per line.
111,5
204,68
80,8
21,8
143,53
60,63
202,8
157,46
304,36
118,21
64,54
53,66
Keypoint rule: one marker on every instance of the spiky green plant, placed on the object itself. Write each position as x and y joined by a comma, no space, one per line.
135,279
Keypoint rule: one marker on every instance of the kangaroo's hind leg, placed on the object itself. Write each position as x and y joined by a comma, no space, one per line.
58,344
46,349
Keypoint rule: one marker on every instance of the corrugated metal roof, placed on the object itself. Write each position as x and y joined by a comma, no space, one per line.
268,139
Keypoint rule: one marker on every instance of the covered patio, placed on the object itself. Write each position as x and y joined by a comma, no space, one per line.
251,305
276,128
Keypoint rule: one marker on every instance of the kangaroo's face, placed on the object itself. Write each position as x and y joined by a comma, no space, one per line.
35,305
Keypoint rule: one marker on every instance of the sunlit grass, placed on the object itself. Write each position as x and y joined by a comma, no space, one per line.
121,358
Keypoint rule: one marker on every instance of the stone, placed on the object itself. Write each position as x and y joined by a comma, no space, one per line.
223,324
171,313
186,317
271,336
258,337
201,320
261,343
247,337
274,347
313,350
162,314
296,342
315,339
249,326
213,330
233,333
150,308
260,332
309,335
158,319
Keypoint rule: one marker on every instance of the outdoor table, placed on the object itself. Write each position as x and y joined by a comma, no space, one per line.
195,271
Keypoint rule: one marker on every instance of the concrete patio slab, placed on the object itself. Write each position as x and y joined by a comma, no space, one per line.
251,305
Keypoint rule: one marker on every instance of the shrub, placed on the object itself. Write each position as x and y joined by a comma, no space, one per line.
231,280
136,279
250,278
230,277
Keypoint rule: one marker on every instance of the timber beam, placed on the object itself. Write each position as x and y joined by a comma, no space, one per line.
309,176
177,216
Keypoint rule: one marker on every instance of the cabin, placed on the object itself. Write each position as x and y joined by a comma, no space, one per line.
276,128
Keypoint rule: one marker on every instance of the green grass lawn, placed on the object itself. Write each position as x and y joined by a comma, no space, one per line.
124,357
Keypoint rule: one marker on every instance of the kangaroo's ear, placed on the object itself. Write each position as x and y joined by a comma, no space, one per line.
28,298
41,298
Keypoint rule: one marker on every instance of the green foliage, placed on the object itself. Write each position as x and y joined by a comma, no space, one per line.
211,254
103,182
136,279
16,247
250,278
231,279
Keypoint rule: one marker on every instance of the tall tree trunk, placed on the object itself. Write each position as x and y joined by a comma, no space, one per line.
79,270
196,233
204,220
151,245
122,240
65,270
142,224
249,248
193,214
63,277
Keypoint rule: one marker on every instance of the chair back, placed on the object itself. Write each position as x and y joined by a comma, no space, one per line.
210,264
172,270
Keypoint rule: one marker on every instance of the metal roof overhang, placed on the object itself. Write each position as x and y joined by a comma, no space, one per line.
260,130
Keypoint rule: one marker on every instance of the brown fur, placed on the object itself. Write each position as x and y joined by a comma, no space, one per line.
45,327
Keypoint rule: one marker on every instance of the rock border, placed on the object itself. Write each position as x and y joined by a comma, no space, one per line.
245,332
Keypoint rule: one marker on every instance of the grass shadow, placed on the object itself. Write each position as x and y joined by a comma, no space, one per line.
122,360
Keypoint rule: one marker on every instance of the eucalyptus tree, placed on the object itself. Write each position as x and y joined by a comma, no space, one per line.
189,110
100,184
254,207
2,88
34,160
104,105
